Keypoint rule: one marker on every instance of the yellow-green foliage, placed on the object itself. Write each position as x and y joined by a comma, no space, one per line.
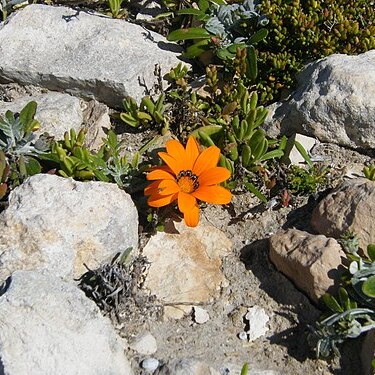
305,30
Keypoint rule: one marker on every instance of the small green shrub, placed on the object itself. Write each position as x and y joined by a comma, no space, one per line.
353,312
304,31
302,181
19,147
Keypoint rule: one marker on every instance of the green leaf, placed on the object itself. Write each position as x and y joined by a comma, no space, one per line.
332,303
191,12
258,36
32,166
252,64
303,153
189,33
274,154
344,298
197,49
245,369
368,287
208,130
371,252
249,186
27,115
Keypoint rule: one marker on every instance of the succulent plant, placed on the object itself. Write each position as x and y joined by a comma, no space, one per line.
19,145
147,114
353,313
303,31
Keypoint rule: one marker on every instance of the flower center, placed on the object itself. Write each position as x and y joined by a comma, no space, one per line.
187,181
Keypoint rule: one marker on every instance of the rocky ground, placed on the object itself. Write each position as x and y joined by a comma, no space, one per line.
252,280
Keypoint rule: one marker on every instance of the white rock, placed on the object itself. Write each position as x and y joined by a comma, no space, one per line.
89,55
200,315
258,319
57,224
144,344
150,364
49,326
191,272
307,143
334,101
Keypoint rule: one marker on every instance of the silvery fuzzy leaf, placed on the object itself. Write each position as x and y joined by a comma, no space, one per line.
214,26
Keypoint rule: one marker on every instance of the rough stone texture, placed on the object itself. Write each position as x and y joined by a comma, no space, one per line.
56,112
334,101
88,55
57,224
48,326
351,207
310,261
185,267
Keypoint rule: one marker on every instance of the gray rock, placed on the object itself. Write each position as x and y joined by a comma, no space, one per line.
334,101
48,326
150,364
310,261
88,55
350,207
58,112
58,224
144,344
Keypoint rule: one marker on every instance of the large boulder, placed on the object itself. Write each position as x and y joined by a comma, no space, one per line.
58,224
350,207
334,101
89,55
310,261
48,326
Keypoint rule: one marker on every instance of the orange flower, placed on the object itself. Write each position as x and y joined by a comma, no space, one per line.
187,176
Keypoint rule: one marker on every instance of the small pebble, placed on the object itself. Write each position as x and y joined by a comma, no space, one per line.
200,315
242,335
150,364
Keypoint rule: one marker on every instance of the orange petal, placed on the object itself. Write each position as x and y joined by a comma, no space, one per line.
152,188
213,194
159,174
192,152
175,165
175,149
168,187
157,200
213,176
206,160
192,217
186,202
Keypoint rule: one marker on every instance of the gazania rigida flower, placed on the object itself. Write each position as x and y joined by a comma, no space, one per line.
189,175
